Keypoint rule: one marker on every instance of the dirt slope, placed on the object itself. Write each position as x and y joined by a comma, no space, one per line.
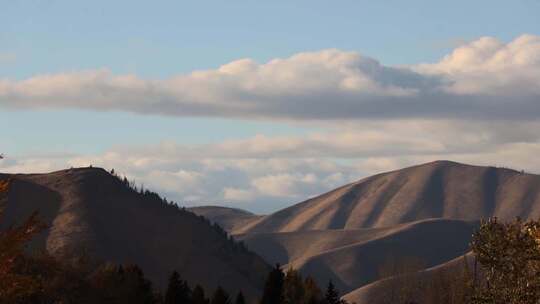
378,292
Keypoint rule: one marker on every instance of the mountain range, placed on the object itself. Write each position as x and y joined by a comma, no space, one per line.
421,217
425,213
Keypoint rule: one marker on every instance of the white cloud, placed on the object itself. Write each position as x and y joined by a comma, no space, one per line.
490,67
285,184
181,181
238,195
390,117
31,165
484,79
263,173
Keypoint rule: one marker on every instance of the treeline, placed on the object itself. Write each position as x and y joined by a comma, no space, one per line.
280,288
155,198
291,288
43,279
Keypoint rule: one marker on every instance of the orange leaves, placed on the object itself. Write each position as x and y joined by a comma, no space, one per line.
3,186
510,257
12,241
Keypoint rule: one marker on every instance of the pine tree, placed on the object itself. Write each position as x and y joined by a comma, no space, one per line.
332,295
312,294
240,298
198,297
178,291
120,284
137,288
273,289
220,296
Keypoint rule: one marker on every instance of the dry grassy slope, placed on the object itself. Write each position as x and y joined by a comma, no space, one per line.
90,210
229,219
376,292
353,258
440,189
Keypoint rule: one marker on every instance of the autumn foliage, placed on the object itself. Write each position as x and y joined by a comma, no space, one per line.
509,255
14,285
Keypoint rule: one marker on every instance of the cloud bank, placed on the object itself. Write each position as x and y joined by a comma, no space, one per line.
263,173
480,104
484,79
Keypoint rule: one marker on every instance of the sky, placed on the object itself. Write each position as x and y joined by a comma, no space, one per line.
259,105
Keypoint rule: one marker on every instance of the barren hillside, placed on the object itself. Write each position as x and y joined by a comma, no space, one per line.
380,291
353,258
440,189
90,211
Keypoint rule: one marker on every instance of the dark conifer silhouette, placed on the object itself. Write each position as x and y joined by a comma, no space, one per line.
332,295
273,288
240,298
138,288
115,284
178,291
312,292
198,297
220,297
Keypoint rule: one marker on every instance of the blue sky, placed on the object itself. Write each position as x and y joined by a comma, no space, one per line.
160,40
163,38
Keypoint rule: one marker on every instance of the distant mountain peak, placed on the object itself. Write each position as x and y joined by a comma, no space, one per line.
438,189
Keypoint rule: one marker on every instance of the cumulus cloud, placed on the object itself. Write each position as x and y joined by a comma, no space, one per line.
479,104
285,184
485,78
489,67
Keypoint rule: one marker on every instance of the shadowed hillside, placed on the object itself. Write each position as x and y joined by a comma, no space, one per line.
378,292
426,212
353,258
440,189
89,211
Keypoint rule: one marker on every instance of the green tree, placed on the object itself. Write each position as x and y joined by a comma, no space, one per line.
220,296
